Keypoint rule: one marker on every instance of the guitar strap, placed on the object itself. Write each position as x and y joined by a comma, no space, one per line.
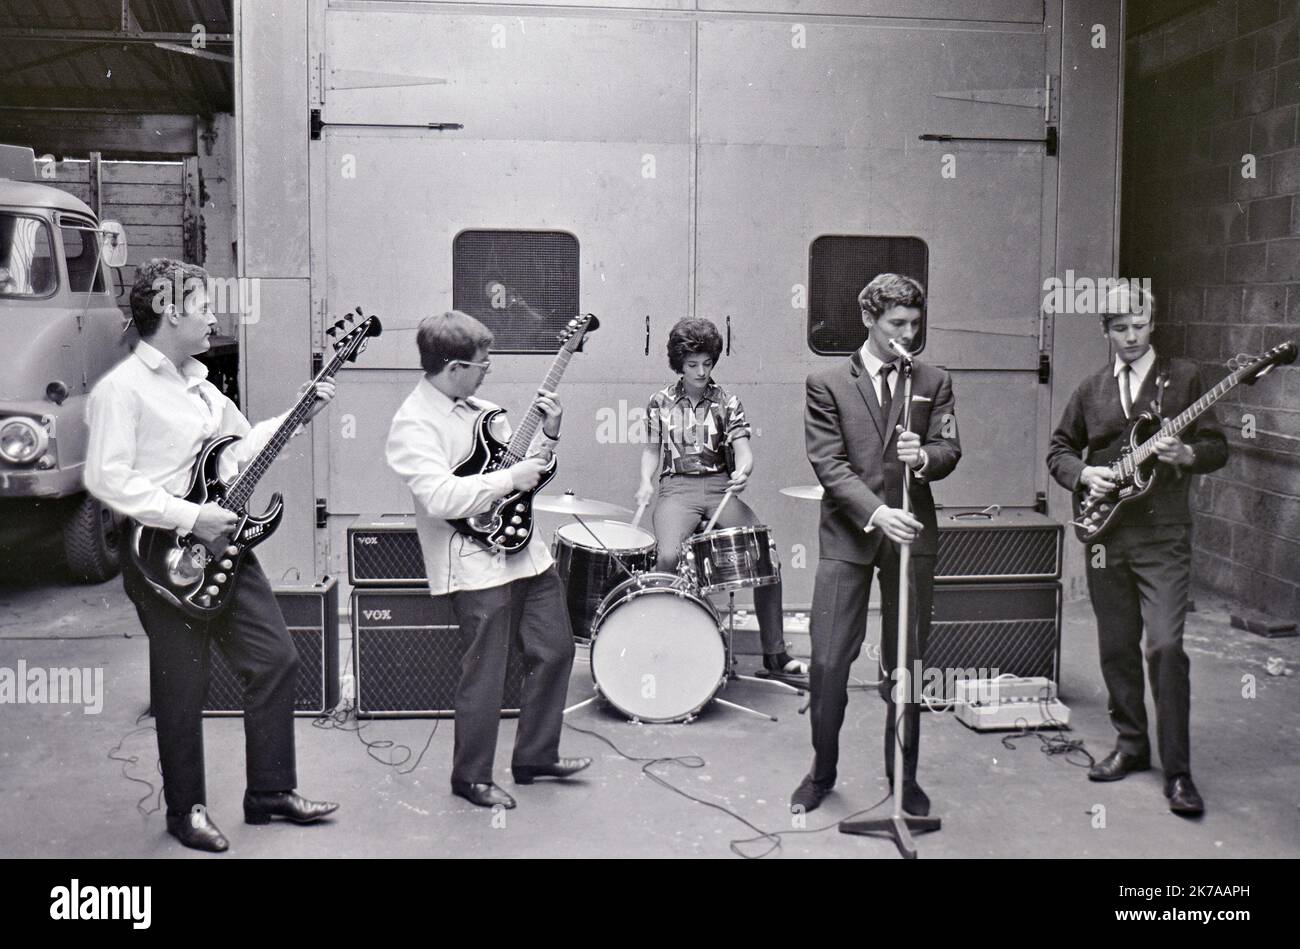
1162,380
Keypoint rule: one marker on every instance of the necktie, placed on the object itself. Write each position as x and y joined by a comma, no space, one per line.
1125,392
886,397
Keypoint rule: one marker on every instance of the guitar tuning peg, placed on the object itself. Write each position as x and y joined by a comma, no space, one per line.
330,331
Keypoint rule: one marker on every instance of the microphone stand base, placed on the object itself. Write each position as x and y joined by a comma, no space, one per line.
899,828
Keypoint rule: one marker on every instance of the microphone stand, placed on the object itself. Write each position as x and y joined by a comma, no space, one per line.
900,825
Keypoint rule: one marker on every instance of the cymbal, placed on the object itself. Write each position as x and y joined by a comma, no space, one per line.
806,492
569,503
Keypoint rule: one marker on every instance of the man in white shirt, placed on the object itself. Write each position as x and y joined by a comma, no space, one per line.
498,598
149,417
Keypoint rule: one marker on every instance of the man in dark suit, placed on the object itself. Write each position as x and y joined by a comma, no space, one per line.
1140,574
858,447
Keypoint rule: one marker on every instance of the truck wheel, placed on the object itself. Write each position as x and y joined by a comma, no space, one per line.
92,541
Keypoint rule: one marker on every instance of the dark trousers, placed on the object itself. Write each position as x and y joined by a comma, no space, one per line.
686,502
1144,581
252,636
838,626
533,613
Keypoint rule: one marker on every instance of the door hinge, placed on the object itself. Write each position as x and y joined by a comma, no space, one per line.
1040,502
317,363
317,123
1044,368
322,514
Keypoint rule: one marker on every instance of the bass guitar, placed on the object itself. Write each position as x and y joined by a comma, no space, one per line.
196,577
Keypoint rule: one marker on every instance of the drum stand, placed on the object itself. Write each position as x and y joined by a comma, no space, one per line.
900,825
732,674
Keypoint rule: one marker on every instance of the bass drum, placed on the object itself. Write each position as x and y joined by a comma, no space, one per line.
657,650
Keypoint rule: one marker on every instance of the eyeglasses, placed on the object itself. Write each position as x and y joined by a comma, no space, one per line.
485,365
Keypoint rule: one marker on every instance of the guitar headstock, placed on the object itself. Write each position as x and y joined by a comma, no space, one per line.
1255,367
356,328
577,329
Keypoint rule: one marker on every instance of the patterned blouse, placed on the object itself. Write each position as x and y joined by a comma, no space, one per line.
695,440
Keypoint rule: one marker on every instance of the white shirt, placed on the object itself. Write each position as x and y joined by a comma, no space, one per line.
148,421
1141,369
873,367
430,435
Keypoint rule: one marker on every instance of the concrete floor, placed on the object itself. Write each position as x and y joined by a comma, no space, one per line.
61,796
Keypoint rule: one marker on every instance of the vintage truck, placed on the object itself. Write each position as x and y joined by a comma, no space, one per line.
62,330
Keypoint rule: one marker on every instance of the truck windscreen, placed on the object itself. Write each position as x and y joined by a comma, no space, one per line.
27,261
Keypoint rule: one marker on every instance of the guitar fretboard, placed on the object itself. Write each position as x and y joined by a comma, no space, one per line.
1179,423
241,491
523,436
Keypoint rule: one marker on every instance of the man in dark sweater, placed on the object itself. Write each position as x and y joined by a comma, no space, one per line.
1139,575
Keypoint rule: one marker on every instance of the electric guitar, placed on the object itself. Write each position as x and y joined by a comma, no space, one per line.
194,576
507,526
1135,472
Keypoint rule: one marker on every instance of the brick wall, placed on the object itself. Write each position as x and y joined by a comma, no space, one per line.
1211,214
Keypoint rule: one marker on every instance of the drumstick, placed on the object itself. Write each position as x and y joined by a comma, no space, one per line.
640,509
714,519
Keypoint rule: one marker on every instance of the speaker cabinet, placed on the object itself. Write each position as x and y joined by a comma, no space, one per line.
407,655
385,551
996,546
311,611
989,629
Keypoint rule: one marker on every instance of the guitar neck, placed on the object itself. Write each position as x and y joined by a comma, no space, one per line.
241,491
523,436
1179,423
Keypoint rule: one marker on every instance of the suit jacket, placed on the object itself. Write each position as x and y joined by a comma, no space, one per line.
852,449
1092,428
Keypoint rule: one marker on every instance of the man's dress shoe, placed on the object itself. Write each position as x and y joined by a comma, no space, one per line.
261,806
808,796
561,768
1117,764
484,795
1183,796
915,801
196,831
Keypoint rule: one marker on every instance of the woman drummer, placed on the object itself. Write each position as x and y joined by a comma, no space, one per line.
698,446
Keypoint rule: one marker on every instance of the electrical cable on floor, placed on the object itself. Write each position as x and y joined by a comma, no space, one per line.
155,794
343,718
1054,744
695,761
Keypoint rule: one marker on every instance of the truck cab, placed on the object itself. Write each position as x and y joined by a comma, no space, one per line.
62,331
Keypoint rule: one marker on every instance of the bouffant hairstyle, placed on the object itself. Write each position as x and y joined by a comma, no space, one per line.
691,336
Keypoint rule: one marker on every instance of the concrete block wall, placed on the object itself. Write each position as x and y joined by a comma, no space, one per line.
1211,176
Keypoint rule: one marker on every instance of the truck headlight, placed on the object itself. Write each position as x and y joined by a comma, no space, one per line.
22,440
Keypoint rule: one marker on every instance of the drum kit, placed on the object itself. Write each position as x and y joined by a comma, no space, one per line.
660,651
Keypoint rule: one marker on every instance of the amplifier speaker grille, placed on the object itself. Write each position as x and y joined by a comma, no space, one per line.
385,552
408,650
311,613
1011,545
999,628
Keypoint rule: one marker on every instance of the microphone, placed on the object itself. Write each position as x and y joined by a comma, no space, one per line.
899,348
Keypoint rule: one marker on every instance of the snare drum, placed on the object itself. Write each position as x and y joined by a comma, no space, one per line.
589,571
657,649
731,559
